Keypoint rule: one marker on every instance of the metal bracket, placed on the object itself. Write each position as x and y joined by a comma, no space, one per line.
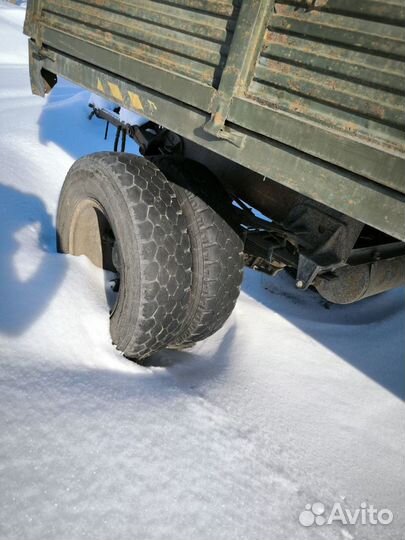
240,64
306,272
40,53
42,80
216,126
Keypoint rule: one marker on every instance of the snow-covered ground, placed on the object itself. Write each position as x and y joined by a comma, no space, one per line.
289,404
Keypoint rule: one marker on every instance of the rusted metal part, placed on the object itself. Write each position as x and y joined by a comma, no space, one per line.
361,155
187,45
352,283
392,11
358,32
212,26
327,250
42,80
246,45
199,71
32,16
217,7
324,238
351,96
323,234
337,62
353,195
120,29
322,114
186,89
340,65
326,58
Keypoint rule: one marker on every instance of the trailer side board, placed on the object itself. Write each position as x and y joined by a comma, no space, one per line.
309,93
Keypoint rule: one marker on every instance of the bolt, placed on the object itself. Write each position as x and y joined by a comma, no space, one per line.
299,284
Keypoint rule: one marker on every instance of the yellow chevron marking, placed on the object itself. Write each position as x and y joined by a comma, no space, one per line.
100,86
135,101
115,91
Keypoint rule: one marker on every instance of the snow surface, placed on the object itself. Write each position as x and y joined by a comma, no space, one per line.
290,403
100,103
131,118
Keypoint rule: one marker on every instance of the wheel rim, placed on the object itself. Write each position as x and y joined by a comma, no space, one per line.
92,235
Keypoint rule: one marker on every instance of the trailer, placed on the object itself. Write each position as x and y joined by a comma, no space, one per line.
274,139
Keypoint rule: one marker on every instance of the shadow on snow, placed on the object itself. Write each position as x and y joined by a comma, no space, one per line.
22,301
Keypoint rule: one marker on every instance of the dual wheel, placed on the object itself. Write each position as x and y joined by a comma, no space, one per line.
165,230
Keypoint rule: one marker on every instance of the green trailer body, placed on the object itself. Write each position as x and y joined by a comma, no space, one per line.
308,93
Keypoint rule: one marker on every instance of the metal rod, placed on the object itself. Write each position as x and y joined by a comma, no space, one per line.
117,138
124,139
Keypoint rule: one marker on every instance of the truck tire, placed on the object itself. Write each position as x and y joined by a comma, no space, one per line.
216,247
120,211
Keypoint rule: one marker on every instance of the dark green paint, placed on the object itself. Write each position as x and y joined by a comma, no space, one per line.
308,93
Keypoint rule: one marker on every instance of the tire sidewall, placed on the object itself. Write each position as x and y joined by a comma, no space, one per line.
93,181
